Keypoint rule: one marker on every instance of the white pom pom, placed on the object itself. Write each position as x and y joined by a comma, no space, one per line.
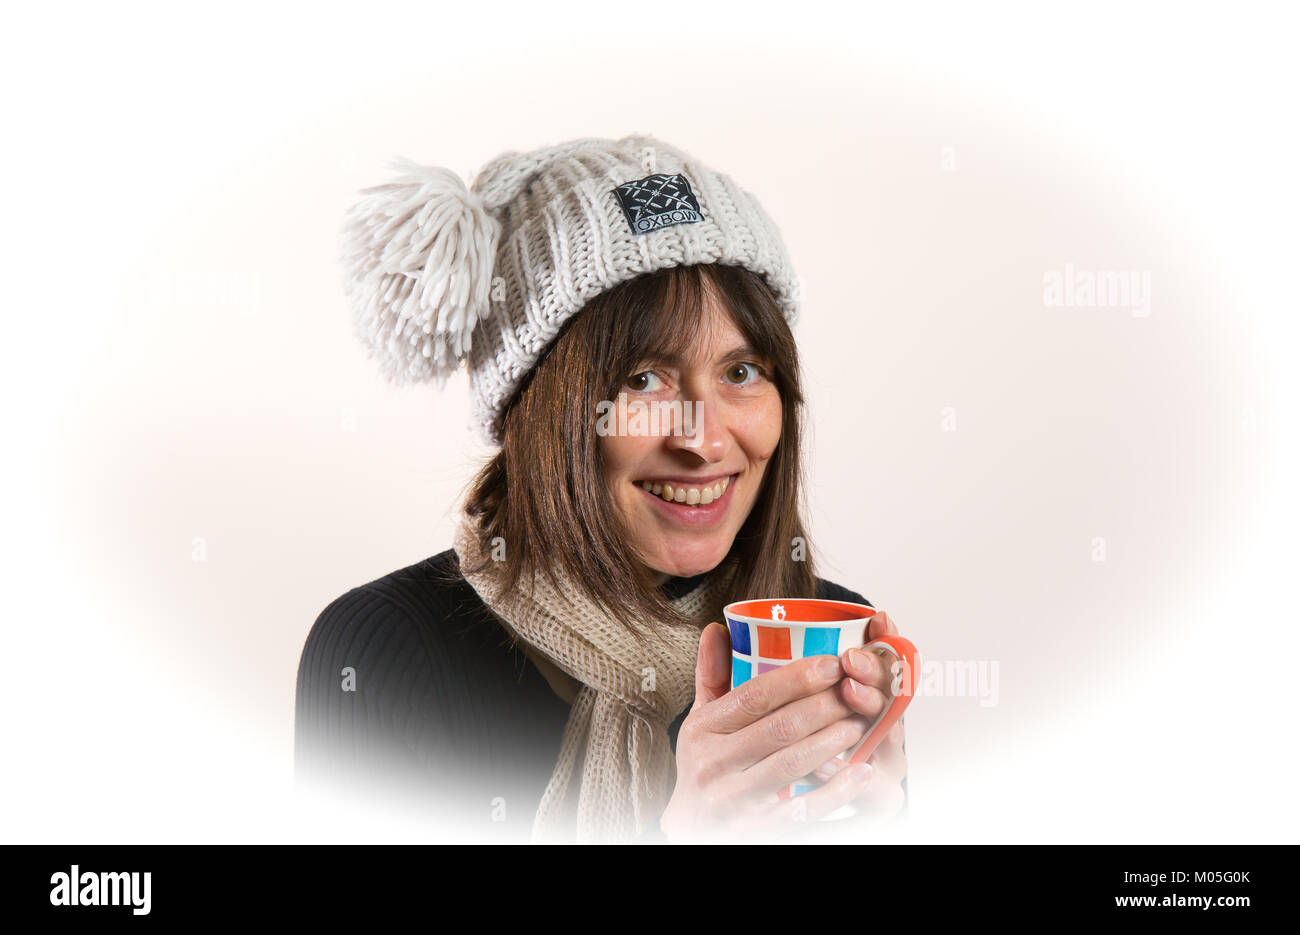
417,261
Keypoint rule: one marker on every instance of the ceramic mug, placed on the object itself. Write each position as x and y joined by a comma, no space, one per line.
773,632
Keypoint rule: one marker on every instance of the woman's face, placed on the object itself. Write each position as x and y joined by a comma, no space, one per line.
734,432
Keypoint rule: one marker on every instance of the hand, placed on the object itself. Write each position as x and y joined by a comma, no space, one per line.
736,749
865,689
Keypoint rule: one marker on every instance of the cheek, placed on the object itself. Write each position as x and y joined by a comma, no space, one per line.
617,456
621,456
763,429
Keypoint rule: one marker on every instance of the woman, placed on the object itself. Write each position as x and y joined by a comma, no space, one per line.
561,669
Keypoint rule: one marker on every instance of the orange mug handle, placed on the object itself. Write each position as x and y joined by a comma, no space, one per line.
902,689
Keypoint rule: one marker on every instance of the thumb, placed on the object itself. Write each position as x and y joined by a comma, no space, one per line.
712,665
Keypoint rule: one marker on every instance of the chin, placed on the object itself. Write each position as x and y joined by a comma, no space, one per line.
690,561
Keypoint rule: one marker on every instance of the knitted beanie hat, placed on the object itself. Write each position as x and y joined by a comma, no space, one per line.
437,274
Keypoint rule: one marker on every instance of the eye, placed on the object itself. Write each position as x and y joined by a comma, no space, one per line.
741,370
641,381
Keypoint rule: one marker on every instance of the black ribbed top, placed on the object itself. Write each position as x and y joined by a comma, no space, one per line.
443,716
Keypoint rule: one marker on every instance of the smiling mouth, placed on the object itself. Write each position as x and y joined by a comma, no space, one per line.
687,495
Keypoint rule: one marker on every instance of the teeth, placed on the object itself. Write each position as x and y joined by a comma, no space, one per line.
691,496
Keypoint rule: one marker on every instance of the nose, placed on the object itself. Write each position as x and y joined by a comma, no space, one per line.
702,429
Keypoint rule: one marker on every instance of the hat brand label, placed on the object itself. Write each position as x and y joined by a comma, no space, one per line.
658,201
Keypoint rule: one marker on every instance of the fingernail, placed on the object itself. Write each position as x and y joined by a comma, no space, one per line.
855,688
826,770
858,659
859,772
828,666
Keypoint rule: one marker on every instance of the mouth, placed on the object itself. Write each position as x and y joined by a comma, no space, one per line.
692,504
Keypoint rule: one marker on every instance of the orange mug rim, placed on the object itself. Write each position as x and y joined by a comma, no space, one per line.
863,612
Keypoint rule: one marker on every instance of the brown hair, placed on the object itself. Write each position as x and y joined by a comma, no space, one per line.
544,492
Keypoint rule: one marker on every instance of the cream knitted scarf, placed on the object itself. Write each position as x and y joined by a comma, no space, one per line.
616,770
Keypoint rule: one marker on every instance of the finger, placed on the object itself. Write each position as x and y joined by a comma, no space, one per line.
844,787
880,625
794,762
762,695
837,763
889,758
712,665
874,668
829,768
881,798
788,725
866,700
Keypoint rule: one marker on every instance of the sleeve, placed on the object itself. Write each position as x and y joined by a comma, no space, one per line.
363,721
830,591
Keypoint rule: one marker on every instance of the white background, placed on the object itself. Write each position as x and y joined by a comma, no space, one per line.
179,366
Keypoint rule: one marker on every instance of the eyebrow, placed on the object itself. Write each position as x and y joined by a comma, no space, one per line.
744,351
